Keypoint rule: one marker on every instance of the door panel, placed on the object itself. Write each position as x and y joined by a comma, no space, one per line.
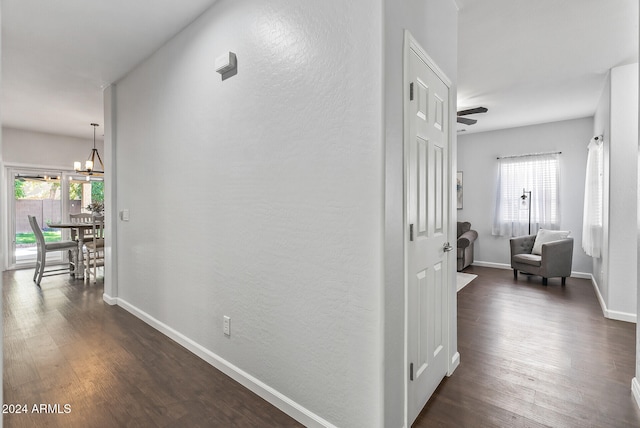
422,187
438,190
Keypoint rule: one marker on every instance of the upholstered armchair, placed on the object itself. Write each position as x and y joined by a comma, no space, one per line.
466,238
549,259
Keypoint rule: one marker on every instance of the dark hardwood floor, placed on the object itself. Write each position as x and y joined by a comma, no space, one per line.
531,356
64,345
536,356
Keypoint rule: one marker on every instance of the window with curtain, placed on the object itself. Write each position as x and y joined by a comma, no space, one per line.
535,177
593,199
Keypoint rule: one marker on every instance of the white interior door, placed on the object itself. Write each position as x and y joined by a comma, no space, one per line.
427,199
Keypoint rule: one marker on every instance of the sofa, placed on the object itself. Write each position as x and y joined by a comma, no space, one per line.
466,238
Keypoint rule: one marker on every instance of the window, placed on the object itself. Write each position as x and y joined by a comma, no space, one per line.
527,194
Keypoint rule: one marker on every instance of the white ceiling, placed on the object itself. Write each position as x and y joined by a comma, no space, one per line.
540,61
527,61
57,56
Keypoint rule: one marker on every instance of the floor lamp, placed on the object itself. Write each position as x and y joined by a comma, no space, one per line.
524,197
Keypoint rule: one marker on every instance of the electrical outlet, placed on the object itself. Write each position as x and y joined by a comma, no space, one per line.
226,326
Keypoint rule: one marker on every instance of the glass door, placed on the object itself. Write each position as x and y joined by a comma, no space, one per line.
50,196
38,193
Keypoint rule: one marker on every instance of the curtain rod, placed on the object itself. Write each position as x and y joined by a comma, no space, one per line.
530,154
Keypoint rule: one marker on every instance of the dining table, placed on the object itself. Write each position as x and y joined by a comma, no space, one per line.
78,231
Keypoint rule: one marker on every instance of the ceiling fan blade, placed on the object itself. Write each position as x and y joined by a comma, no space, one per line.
466,121
473,111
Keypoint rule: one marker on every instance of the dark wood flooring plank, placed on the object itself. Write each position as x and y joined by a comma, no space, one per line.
531,356
64,345
536,356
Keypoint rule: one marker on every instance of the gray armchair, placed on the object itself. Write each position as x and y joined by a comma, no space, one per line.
466,238
555,260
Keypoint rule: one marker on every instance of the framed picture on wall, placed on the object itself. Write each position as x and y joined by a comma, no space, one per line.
459,189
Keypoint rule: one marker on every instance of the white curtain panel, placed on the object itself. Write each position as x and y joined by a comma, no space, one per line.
518,175
593,199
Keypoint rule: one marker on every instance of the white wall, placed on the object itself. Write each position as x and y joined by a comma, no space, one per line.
434,24
602,126
616,118
261,197
623,170
3,203
477,155
635,386
47,150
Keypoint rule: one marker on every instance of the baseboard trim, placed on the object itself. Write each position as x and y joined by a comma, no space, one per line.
606,312
455,362
603,306
491,265
621,316
279,400
109,300
574,274
581,275
635,389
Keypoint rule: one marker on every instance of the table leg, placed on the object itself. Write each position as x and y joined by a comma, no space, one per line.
80,261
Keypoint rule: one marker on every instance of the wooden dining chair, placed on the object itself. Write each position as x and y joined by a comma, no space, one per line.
46,247
94,249
80,218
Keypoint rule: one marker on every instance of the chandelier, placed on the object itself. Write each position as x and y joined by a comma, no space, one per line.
90,163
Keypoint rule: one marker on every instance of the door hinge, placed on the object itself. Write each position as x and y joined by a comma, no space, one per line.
411,371
411,232
411,91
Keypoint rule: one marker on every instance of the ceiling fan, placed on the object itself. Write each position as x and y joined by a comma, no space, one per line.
467,121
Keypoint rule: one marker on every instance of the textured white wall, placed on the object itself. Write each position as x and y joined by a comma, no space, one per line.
623,172
635,386
260,197
3,231
616,118
602,126
434,24
477,160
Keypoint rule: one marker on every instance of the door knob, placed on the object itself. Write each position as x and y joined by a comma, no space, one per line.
447,247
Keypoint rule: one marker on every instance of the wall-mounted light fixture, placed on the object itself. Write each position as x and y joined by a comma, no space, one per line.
227,65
